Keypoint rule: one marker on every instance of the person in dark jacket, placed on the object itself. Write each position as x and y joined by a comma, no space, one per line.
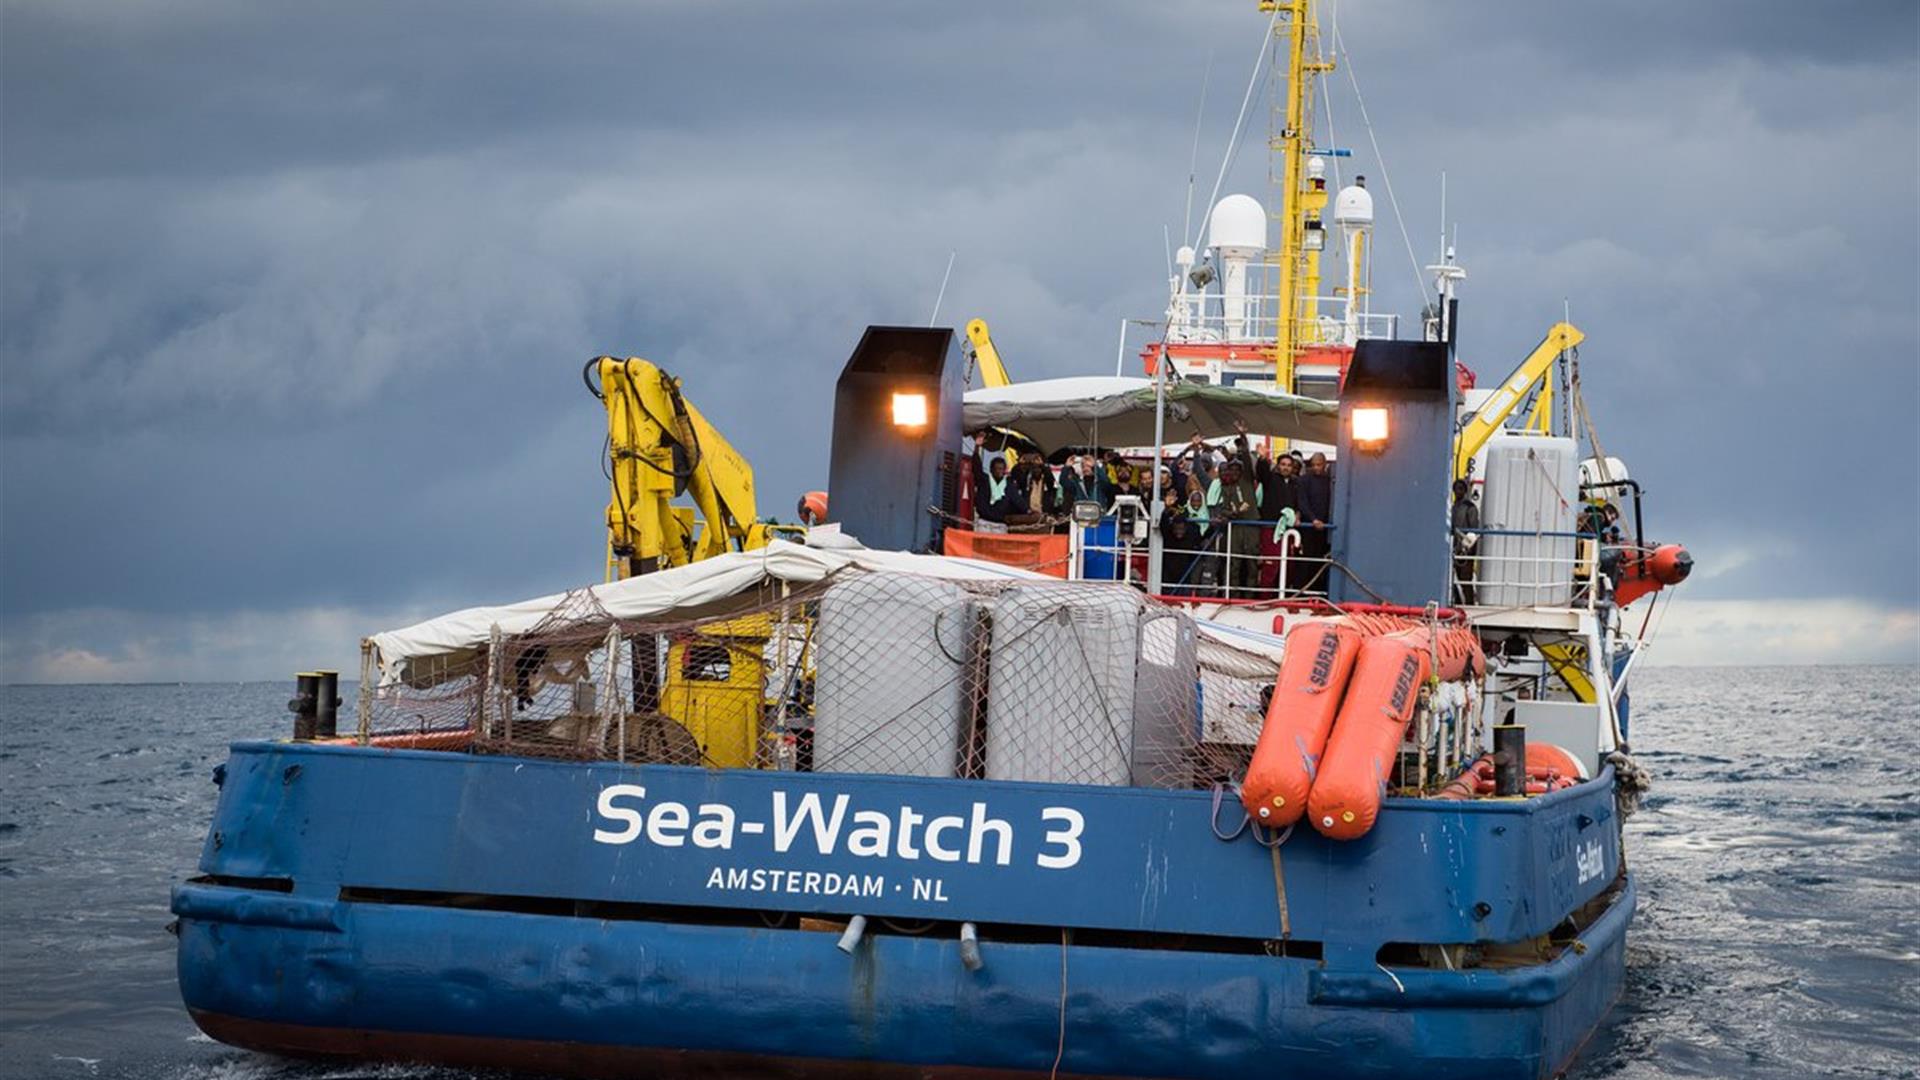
1030,490
1316,516
1083,480
1466,523
1280,504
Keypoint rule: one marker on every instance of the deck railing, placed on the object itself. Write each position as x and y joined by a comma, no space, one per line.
1521,568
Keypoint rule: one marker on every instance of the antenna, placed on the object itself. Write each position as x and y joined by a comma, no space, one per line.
1193,159
1443,215
935,317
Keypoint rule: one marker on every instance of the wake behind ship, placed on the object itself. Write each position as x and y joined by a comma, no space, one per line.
1002,764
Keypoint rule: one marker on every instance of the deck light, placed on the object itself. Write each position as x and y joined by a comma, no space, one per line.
1370,427
1315,236
910,410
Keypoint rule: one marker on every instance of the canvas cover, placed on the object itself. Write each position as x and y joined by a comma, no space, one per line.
430,652
1118,411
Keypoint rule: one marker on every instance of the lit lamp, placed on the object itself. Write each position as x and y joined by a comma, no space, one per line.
910,410
1370,428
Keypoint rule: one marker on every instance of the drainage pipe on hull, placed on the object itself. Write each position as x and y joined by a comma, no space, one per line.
850,939
970,947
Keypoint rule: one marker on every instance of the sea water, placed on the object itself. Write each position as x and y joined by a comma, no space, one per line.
1778,858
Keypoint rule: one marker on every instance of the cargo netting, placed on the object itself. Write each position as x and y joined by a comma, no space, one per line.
865,672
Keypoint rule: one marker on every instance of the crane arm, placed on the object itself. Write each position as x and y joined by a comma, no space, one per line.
1494,411
992,371
660,447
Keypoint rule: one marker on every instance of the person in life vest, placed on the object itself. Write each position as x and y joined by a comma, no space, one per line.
991,498
1234,497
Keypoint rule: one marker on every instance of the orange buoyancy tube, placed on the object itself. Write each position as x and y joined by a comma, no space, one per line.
1380,701
1313,679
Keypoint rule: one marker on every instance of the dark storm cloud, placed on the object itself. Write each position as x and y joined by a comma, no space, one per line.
295,296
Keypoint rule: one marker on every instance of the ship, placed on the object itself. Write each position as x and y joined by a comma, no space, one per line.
960,780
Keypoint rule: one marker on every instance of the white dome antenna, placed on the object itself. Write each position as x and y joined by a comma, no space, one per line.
1238,223
1354,204
1237,229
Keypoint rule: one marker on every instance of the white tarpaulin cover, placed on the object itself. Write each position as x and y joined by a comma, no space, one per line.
430,652
1118,411
711,587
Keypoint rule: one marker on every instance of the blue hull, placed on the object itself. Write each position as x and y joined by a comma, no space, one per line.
317,931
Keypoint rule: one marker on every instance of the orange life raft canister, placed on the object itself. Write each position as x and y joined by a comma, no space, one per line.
1372,723
1313,680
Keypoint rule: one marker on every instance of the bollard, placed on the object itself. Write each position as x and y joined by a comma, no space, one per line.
1510,759
326,723
306,701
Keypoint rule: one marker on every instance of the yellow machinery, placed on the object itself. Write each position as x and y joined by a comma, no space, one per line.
659,447
992,371
1493,412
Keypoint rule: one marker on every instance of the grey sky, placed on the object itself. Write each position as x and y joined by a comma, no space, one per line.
293,297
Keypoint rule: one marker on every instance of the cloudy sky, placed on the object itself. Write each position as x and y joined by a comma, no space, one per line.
295,296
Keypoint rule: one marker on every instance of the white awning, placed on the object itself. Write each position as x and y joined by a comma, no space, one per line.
1118,411
429,652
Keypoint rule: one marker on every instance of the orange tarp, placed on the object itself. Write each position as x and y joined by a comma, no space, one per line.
1044,553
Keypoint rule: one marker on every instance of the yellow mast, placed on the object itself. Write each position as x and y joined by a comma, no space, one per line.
1299,199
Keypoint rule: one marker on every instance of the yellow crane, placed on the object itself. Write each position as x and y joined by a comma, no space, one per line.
992,371
659,447
1494,411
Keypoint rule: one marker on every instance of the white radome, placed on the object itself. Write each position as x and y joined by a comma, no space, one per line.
1353,206
1239,223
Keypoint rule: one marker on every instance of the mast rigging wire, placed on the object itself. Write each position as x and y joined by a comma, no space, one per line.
1239,123
1346,61
1193,157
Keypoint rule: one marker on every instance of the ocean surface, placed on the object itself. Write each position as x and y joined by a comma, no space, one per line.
1778,859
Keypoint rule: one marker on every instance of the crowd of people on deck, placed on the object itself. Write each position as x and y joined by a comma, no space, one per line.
1227,513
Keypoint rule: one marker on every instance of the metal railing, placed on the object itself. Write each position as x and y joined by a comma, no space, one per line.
1195,317
1230,560
1516,568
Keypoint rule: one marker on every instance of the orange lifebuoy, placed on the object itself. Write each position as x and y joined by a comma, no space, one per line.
1306,698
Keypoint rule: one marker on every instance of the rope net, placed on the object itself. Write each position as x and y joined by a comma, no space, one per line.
866,672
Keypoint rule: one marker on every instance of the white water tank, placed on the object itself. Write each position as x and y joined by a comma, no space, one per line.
1089,685
1532,487
891,691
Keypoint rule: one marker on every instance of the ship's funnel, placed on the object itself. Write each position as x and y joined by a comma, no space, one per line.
1237,229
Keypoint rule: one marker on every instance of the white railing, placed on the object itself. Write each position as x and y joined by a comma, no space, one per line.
1321,320
1543,569
1210,568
